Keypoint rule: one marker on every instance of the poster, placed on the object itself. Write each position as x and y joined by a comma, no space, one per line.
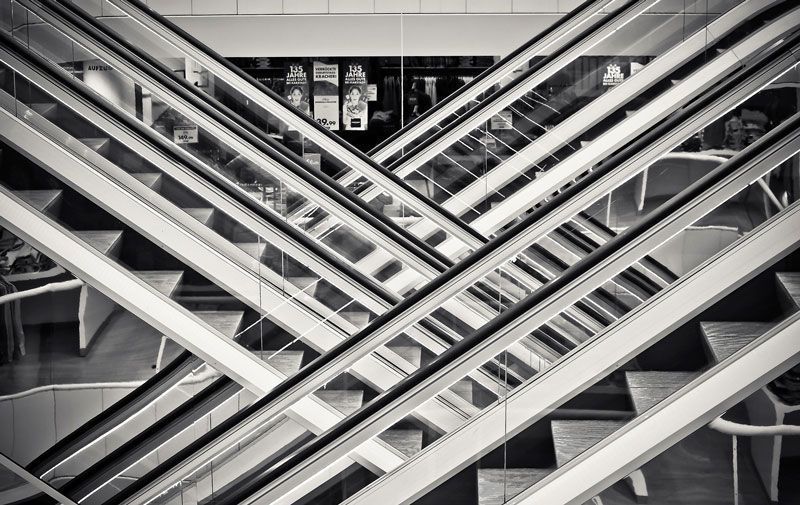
326,94
297,87
354,107
613,75
185,134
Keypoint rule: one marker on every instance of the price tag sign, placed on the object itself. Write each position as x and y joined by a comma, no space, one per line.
185,134
503,120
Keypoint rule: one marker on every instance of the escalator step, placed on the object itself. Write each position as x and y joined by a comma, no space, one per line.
151,180
789,288
107,242
40,199
649,388
226,322
101,145
253,249
407,441
357,319
410,353
47,110
308,285
287,361
345,401
725,338
164,281
498,485
201,214
572,438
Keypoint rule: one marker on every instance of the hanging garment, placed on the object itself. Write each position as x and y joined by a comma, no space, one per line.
430,89
6,330
14,334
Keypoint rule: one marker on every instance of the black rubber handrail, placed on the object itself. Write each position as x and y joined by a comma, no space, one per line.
466,90
155,70
116,414
607,233
789,128
81,15
224,62
151,438
489,102
643,142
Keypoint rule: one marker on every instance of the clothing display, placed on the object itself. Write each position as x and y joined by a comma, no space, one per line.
18,257
12,336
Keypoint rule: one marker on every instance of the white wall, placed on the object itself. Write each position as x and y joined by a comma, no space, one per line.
296,28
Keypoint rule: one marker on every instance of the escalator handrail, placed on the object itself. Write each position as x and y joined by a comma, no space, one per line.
466,92
264,144
179,157
489,102
116,414
467,234
791,45
102,32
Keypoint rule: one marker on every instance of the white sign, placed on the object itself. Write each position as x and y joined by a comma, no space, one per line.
613,75
503,120
326,95
185,134
372,92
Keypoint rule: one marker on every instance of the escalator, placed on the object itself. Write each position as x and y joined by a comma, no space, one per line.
65,124
647,383
601,314
286,334
709,107
399,280
576,245
546,262
723,34
137,28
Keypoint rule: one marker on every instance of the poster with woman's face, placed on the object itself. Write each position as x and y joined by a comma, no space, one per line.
297,87
354,99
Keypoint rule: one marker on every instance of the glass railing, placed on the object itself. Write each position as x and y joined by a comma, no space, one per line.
266,115
473,174
343,241
734,459
77,359
15,488
765,197
278,268
501,74
305,284
386,268
274,330
695,241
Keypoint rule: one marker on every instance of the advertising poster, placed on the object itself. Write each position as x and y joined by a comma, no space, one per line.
613,75
297,87
354,108
326,94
